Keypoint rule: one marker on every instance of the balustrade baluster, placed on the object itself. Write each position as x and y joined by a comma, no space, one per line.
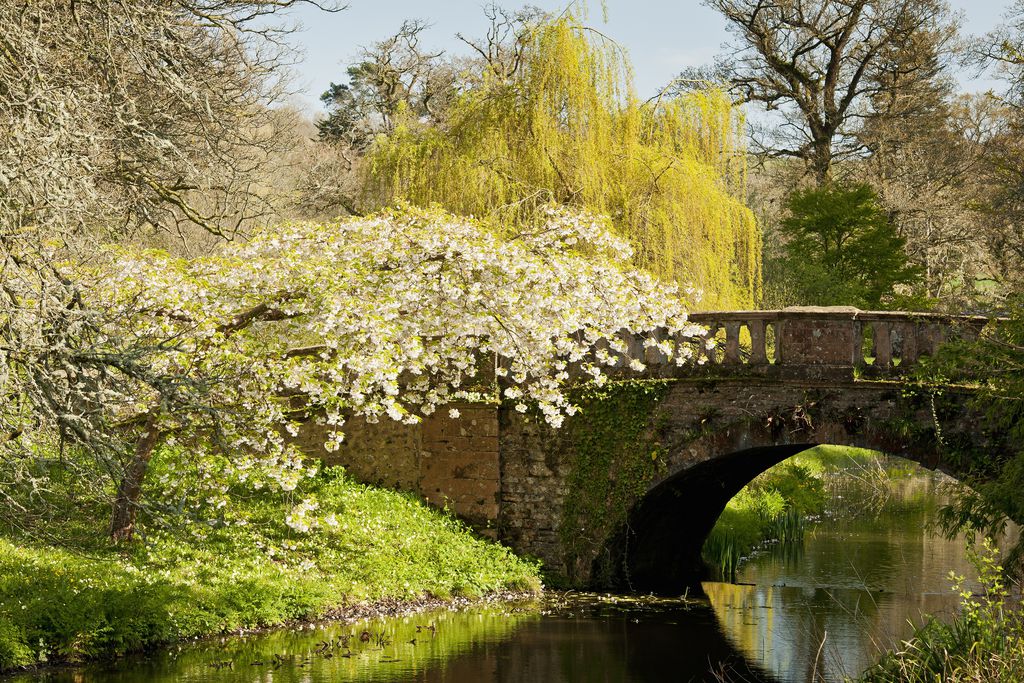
634,349
930,336
780,344
908,343
883,345
732,343
858,344
652,354
757,342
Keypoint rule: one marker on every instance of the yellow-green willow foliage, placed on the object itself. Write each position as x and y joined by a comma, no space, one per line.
567,128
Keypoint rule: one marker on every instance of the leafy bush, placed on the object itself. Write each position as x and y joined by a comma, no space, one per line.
985,642
840,247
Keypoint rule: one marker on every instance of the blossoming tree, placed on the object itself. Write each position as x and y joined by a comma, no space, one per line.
390,316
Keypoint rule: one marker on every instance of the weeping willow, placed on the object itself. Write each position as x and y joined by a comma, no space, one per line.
567,128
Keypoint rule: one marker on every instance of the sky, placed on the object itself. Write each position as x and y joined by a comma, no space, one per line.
662,37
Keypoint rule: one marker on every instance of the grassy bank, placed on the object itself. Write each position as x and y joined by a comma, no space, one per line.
250,569
773,507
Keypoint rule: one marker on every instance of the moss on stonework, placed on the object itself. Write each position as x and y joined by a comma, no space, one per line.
614,457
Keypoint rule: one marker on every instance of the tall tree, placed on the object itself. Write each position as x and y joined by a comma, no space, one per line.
552,117
1003,51
842,249
395,75
828,66
929,172
121,120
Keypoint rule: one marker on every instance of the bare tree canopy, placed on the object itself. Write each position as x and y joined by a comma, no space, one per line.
1002,51
828,66
121,120
123,115
394,74
1004,48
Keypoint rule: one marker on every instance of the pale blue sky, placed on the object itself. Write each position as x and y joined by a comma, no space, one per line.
662,37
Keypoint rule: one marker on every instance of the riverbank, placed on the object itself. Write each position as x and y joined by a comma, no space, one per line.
984,641
774,507
372,550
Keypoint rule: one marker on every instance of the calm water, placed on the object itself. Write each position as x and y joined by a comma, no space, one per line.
829,607
824,609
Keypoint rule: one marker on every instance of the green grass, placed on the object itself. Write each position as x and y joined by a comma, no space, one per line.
248,569
773,507
777,505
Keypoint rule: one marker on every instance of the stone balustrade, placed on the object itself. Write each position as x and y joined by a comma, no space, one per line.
815,341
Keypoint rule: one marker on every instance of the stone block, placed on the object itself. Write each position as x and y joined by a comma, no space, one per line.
458,465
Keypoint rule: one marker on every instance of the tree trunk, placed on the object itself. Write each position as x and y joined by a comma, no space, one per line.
126,505
821,162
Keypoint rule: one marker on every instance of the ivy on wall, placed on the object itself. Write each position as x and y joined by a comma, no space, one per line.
615,456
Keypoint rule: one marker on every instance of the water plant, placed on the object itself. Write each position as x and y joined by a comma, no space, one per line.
772,508
984,642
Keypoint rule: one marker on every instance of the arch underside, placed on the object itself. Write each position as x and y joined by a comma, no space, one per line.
659,550
711,437
661,546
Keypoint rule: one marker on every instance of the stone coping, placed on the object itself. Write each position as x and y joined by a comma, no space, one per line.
834,313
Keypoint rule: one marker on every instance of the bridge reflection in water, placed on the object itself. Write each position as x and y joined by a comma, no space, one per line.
854,586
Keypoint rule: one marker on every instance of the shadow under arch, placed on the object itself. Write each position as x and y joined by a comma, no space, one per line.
659,549
756,426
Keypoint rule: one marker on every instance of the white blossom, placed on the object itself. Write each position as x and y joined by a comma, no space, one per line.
393,315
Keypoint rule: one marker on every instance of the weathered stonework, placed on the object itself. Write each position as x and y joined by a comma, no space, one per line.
450,462
535,465
386,453
459,464
710,432
700,424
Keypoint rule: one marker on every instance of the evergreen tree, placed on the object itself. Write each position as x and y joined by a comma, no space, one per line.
842,249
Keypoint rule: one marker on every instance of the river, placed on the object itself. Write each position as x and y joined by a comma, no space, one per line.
820,611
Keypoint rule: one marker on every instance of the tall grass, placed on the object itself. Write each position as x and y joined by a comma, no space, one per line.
727,546
983,643
772,509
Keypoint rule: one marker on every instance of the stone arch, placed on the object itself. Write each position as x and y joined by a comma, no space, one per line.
712,455
659,550
708,435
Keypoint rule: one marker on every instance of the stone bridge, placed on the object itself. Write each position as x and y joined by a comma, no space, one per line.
625,493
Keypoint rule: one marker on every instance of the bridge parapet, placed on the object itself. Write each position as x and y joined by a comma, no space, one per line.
815,342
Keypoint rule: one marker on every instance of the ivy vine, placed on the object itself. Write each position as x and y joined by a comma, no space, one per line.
615,456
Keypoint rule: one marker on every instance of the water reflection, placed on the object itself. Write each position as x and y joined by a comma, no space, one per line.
850,591
581,638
